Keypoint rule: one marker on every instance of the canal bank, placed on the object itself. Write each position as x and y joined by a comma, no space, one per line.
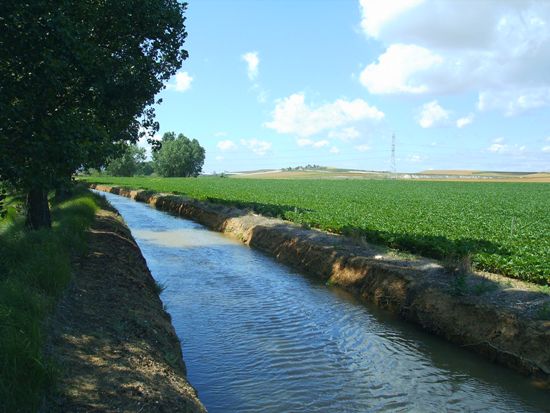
110,338
502,319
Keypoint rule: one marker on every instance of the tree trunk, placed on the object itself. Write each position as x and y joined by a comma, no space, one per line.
63,192
38,210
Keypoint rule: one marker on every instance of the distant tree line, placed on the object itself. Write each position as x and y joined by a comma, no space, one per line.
303,168
177,156
78,81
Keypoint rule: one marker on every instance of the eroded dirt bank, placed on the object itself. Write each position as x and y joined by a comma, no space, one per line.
507,321
111,338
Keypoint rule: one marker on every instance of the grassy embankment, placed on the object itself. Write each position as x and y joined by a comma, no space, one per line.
35,268
500,227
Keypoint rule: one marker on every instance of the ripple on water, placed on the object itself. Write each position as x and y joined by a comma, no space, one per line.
258,337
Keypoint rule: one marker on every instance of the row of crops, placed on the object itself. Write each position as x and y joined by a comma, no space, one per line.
503,227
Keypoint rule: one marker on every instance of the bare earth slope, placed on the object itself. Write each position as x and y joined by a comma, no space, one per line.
505,320
110,336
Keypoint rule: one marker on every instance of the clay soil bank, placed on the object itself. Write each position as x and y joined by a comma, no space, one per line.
110,336
505,320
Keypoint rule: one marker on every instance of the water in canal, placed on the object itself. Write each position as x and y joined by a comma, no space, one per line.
258,337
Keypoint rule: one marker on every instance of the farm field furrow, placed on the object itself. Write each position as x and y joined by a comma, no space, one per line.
502,227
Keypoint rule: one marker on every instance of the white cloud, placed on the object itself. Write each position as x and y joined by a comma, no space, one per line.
182,82
335,150
346,134
292,115
316,144
415,158
497,148
362,148
219,158
378,12
226,145
321,143
500,147
257,146
465,121
252,62
432,114
513,101
546,148
304,142
396,70
498,49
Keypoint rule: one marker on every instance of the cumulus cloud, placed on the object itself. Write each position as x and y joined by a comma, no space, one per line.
377,13
252,62
257,146
398,68
346,134
465,121
432,114
182,82
226,145
335,150
546,148
498,49
513,101
293,116
500,147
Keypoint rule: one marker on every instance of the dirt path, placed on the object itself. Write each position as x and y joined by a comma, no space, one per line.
111,338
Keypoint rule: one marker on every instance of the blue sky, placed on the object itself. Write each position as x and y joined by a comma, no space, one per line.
278,83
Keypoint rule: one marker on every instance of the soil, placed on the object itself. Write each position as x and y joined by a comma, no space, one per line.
508,321
113,343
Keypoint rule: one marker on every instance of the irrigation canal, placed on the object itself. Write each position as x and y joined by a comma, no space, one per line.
258,337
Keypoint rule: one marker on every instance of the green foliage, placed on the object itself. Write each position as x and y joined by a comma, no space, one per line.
127,163
436,219
35,267
77,78
178,156
145,168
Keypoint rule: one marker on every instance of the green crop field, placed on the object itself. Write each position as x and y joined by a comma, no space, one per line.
504,227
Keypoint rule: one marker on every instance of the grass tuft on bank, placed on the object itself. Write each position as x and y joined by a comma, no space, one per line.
35,268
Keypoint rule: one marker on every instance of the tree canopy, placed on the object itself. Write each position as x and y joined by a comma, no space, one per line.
127,164
76,79
178,156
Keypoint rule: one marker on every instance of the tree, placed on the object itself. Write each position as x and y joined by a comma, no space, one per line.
145,168
178,156
78,78
128,163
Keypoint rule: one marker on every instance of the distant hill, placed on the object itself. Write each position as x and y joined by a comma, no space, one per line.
324,172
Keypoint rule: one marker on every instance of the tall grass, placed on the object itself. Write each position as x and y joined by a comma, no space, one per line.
35,267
